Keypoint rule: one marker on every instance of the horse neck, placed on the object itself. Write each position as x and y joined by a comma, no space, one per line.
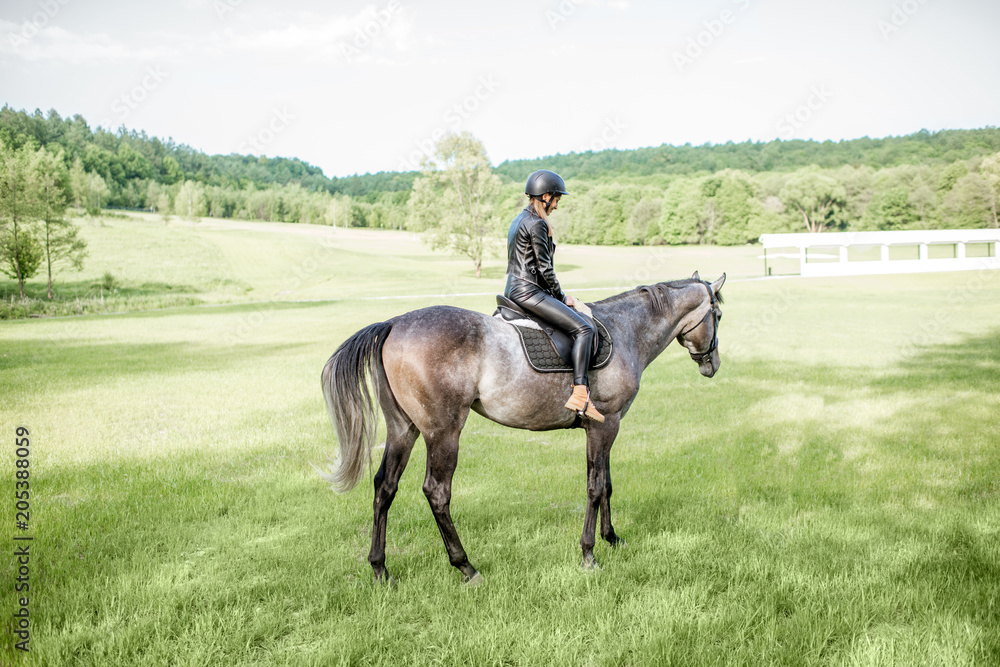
633,319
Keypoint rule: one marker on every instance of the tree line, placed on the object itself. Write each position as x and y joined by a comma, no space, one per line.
733,206
123,164
723,194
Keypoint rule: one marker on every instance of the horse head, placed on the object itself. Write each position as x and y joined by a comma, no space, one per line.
701,336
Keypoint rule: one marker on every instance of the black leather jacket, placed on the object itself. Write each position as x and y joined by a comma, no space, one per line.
529,253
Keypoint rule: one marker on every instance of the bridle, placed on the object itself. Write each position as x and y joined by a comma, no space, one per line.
699,357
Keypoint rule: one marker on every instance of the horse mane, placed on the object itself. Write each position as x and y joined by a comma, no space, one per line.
657,293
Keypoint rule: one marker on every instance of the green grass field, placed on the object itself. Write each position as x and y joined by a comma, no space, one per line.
829,498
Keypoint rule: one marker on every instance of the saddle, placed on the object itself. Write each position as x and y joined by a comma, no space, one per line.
550,350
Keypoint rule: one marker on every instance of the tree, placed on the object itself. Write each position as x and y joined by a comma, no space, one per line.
100,161
78,184
990,171
949,176
971,203
692,213
96,191
683,206
707,219
133,164
610,209
454,200
60,239
608,221
190,200
922,199
162,206
357,214
20,256
890,210
642,222
579,219
18,207
337,210
171,171
859,187
772,220
817,198
733,208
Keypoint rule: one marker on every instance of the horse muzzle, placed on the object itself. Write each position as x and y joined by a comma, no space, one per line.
709,364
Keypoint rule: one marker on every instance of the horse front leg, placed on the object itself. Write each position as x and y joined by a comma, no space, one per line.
607,530
600,437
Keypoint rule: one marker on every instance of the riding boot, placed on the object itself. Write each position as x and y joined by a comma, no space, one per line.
580,402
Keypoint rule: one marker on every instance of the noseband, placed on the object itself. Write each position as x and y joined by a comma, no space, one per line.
700,357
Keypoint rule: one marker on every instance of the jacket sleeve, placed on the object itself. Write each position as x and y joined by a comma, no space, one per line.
540,244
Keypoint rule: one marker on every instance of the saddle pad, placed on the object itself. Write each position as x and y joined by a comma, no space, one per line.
542,354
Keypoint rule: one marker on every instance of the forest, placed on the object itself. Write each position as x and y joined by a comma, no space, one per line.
722,194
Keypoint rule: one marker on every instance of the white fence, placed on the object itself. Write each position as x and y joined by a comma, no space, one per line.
917,251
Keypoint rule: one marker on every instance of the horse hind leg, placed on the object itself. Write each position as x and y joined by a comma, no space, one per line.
442,459
400,436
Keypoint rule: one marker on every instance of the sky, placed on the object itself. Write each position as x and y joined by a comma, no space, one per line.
357,87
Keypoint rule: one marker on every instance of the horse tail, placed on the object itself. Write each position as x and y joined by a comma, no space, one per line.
349,401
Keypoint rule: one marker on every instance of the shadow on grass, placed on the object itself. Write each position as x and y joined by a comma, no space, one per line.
972,365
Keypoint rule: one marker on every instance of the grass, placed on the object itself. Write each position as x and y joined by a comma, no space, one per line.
829,498
151,265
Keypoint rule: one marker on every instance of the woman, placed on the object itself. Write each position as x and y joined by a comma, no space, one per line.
532,283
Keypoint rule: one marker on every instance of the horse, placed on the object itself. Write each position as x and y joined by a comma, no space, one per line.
429,367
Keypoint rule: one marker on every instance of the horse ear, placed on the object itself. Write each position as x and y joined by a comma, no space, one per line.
717,285
695,276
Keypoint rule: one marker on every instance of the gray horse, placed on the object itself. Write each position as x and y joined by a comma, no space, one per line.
429,367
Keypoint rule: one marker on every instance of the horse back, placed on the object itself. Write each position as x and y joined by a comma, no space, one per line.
441,331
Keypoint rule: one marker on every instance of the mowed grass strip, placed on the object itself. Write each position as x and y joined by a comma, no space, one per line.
830,498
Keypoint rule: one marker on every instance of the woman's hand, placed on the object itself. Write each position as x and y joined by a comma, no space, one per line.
573,302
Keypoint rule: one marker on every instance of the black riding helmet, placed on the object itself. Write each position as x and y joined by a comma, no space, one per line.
543,181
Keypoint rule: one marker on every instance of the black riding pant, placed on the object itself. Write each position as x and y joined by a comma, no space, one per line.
538,302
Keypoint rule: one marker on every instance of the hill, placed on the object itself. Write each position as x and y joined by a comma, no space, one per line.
920,148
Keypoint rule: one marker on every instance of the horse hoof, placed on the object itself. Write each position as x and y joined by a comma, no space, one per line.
474,580
385,581
589,565
619,544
